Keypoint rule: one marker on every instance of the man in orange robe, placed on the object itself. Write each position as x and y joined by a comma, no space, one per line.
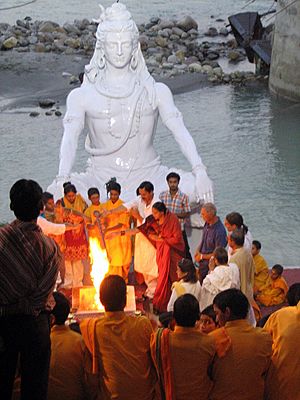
183,357
261,274
240,374
275,293
120,347
283,379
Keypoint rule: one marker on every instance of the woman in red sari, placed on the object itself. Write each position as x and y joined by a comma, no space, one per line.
163,230
169,251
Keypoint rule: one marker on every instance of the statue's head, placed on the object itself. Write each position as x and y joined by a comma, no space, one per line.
117,37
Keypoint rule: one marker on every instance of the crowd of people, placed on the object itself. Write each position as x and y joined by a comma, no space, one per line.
206,343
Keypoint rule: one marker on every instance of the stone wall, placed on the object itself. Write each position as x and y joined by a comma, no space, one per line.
285,66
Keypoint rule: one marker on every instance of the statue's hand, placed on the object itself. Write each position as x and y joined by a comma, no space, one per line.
204,186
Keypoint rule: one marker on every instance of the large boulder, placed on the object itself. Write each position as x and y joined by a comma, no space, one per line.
187,23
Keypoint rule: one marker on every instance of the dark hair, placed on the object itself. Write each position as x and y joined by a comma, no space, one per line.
114,186
235,218
278,268
173,175
148,186
257,244
46,197
238,236
69,187
186,310
187,265
166,318
113,293
235,300
210,312
92,191
61,309
221,255
160,206
26,199
293,294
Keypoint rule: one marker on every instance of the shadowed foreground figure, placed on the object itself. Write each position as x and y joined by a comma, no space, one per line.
183,357
283,380
29,264
240,374
120,347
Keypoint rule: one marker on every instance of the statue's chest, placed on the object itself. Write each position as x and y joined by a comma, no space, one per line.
115,116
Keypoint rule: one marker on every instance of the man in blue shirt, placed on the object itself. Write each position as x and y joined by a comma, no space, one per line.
214,235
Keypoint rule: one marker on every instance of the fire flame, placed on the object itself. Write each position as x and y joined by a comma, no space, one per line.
100,266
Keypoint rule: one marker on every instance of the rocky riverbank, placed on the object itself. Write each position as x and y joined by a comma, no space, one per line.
171,48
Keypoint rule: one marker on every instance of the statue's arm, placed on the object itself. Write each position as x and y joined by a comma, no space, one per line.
172,119
73,125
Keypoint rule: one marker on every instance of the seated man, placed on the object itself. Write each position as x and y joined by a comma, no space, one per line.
240,374
208,322
261,273
275,293
283,379
68,356
221,276
120,347
183,357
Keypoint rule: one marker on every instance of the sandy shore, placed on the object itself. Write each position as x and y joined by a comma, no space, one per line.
26,78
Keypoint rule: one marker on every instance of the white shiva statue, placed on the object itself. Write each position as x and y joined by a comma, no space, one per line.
120,103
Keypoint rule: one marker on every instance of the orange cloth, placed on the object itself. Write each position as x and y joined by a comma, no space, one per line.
222,341
283,379
119,248
240,374
67,365
275,293
188,350
120,346
261,275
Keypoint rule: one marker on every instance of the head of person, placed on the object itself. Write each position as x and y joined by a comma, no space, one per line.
94,196
114,189
186,270
221,256
70,192
26,199
186,311
256,246
208,322
48,201
276,271
236,238
146,191
61,309
117,39
113,293
233,221
166,320
230,305
209,212
159,210
293,294
173,180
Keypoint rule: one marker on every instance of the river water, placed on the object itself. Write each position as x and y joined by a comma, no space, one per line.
249,141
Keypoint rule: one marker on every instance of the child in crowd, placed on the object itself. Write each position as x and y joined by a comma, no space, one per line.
208,321
261,275
188,282
274,293
94,197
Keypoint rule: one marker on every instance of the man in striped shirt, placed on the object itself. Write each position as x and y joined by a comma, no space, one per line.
178,203
29,263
